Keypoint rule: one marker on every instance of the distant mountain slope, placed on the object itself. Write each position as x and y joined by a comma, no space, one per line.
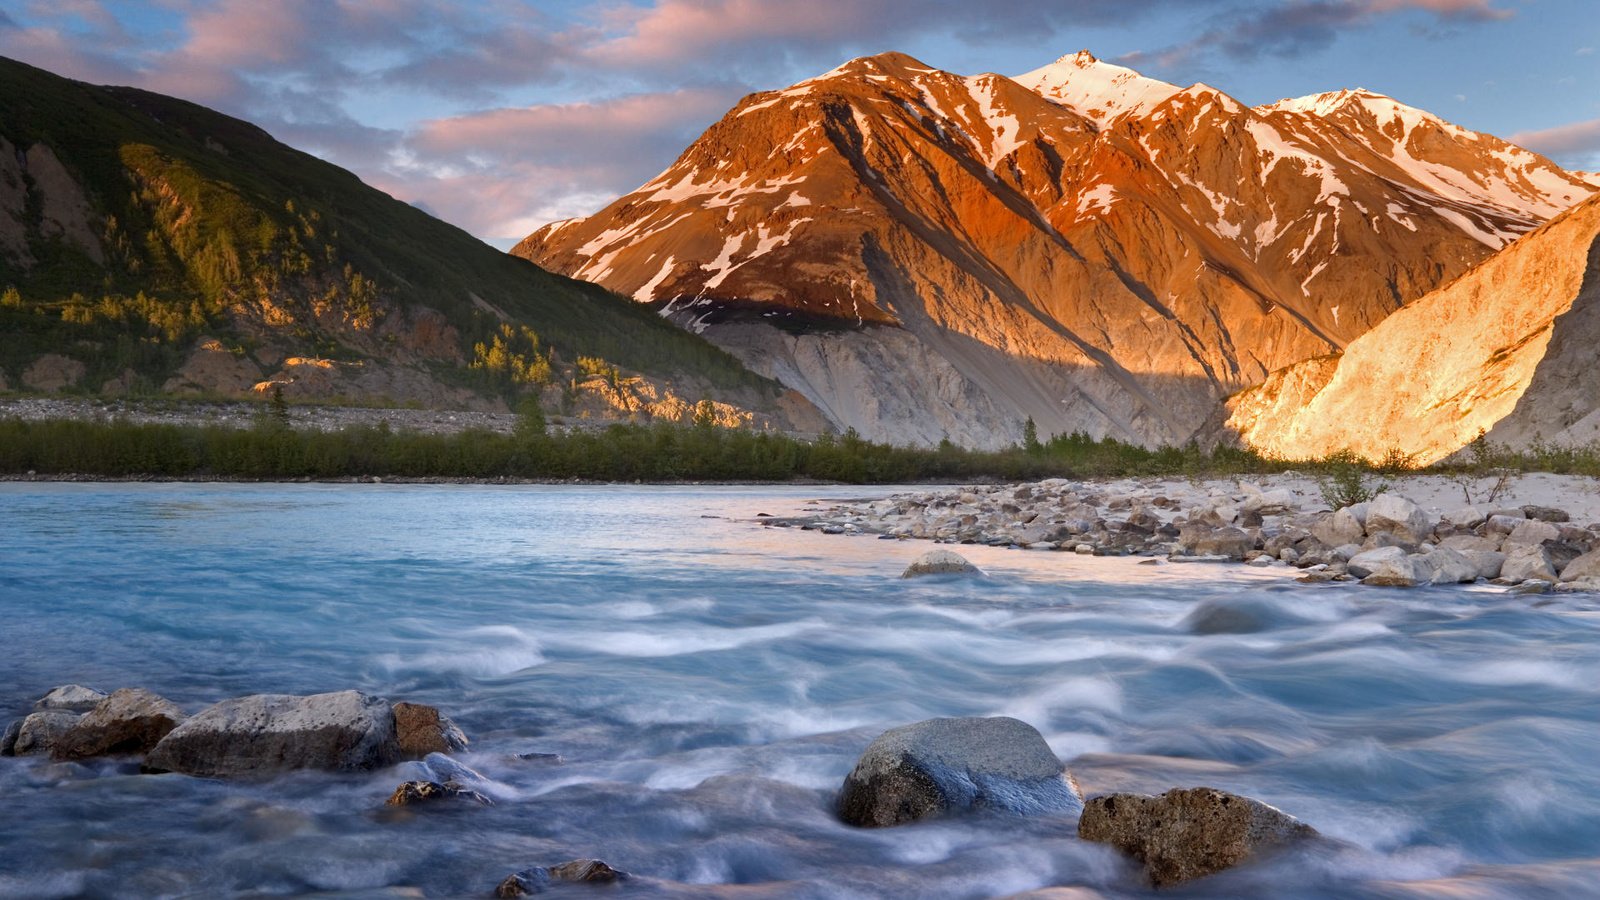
1511,349
928,255
152,245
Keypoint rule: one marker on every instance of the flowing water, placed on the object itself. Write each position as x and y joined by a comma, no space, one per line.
708,683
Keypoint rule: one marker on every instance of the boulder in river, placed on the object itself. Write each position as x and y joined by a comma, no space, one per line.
70,698
131,720
344,731
940,562
421,730
578,871
37,733
943,765
1188,833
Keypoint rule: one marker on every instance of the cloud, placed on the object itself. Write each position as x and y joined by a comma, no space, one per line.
453,79
1577,143
1299,26
504,172
696,35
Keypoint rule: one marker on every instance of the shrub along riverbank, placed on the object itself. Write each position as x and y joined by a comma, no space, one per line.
273,450
657,452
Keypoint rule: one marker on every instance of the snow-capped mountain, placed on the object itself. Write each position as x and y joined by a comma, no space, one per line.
929,255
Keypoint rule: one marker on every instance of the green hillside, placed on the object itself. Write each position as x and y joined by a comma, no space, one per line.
164,222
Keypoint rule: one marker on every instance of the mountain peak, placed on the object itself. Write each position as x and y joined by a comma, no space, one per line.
887,62
1328,103
1097,90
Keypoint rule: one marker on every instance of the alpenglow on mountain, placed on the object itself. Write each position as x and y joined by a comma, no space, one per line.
926,255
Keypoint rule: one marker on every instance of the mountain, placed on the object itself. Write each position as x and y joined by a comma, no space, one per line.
152,246
926,255
1511,350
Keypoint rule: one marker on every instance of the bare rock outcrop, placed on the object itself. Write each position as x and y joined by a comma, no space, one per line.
1511,351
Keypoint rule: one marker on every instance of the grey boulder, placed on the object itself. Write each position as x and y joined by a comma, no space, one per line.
1396,515
1585,566
1390,567
70,698
1451,567
1527,562
345,731
940,562
129,721
38,732
939,766
1188,833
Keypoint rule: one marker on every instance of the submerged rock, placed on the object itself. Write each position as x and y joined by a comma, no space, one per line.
578,871
343,731
421,730
131,720
70,698
415,792
1188,833
943,765
940,562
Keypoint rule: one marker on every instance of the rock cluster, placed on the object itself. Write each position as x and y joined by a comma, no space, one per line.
1390,541
256,735
943,767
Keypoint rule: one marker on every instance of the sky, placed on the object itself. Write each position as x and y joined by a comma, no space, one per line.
501,115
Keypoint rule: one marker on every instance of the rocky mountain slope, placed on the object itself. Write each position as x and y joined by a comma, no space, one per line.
1511,349
926,255
151,246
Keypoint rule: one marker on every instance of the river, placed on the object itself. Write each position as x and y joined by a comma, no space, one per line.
708,682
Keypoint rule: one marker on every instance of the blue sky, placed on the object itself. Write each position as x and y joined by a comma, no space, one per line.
499,115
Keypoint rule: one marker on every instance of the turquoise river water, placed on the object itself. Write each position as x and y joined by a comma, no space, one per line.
708,682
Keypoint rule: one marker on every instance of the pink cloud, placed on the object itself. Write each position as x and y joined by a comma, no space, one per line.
504,172
1574,140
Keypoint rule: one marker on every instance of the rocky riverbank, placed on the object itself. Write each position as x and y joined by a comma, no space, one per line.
1527,534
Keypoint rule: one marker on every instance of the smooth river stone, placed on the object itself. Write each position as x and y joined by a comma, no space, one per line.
940,766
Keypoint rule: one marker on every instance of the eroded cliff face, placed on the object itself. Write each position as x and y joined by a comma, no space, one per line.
1094,249
1511,349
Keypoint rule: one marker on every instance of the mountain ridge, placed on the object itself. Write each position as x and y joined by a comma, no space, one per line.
1116,268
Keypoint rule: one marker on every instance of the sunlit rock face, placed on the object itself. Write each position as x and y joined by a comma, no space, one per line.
928,255
1511,350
